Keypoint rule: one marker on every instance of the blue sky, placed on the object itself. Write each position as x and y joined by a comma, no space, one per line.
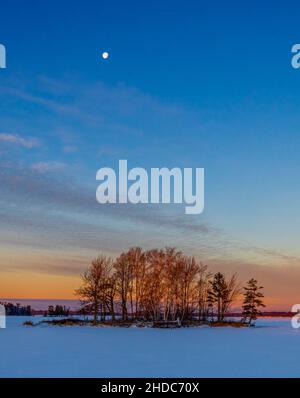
188,84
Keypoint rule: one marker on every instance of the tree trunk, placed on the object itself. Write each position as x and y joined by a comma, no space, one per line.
96,309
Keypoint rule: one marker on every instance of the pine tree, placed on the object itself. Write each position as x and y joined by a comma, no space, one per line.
216,293
51,310
222,293
252,301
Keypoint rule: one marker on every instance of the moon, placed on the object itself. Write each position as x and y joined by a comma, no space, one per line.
105,55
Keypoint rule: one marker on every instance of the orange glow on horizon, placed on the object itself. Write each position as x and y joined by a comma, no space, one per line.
29,285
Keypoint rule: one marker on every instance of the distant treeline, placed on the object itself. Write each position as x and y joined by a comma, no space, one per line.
17,309
162,285
58,310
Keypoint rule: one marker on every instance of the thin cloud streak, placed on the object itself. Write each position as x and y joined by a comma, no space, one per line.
44,167
15,139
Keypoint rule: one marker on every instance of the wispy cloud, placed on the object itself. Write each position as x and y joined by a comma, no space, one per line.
44,167
114,109
273,254
26,142
80,218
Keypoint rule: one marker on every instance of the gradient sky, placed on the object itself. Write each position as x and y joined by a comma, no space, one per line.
187,84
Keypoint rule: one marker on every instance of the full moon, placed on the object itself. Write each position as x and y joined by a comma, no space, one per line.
105,55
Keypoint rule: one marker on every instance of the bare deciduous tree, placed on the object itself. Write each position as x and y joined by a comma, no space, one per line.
96,282
123,277
202,288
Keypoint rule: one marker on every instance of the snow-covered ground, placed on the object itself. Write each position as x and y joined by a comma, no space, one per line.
272,349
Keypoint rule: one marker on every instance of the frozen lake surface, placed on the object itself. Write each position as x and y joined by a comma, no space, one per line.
272,349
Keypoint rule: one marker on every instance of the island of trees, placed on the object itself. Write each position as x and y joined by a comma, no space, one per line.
163,286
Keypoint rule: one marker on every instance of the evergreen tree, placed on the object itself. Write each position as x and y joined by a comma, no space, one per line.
51,310
252,301
222,293
216,294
